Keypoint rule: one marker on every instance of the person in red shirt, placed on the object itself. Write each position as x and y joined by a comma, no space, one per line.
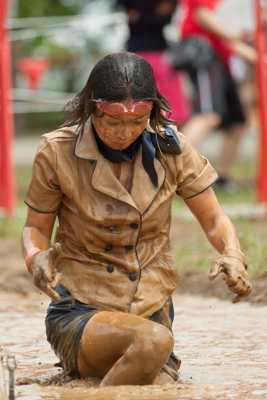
217,103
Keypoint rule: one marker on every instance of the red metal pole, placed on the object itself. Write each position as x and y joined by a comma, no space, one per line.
262,101
7,169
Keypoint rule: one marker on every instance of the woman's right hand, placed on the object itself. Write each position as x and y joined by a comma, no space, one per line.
45,276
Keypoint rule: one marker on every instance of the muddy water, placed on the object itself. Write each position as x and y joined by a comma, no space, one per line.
223,348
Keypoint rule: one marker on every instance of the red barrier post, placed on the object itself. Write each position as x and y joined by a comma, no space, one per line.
7,169
261,43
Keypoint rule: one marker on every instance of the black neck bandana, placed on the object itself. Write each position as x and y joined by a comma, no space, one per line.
169,143
116,156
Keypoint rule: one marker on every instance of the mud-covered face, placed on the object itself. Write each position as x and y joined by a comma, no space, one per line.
120,131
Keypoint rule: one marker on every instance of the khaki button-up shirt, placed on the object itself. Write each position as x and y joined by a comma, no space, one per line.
116,252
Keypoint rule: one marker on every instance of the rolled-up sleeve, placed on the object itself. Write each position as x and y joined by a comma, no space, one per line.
194,172
44,194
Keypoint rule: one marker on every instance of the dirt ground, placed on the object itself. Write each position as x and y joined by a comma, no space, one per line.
14,277
222,346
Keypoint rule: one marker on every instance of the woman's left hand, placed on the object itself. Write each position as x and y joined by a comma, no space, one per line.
233,264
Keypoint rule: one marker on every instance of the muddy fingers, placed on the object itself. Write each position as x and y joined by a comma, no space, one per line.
232,263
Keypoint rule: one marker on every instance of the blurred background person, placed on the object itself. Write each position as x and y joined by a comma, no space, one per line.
146,21
216,101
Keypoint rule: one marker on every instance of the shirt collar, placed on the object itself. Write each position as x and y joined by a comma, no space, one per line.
85,145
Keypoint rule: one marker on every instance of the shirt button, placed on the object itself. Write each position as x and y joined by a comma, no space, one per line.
128,247
134,226
109,248
110,268
132,277
111,228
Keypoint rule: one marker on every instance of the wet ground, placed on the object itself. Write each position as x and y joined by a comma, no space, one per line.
223,348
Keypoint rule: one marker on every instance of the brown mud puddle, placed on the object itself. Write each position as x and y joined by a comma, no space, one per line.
223,348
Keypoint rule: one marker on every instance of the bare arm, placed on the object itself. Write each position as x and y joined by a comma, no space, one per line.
37,231
213,220
222,235
209,21
42,258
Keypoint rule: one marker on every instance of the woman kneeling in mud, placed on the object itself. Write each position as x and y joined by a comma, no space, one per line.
109,175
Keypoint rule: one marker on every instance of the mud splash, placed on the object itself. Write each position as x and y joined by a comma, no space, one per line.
223,348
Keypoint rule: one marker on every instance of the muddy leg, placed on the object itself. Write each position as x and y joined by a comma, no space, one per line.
123,349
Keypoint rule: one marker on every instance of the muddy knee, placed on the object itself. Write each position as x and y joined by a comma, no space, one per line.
162,342
155,347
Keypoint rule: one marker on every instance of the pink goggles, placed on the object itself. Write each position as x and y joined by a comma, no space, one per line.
139,108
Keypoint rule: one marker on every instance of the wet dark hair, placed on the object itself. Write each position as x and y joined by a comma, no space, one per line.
115,78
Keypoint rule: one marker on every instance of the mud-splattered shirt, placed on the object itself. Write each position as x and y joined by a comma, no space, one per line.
116,252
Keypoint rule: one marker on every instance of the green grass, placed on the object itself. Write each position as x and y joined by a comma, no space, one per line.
242,194
12,226
23,181
254,247
194,256
199,255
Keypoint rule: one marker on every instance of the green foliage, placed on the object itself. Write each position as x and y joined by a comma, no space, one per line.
41,8
23,181
254,247
13,226
198,255
45,45
239,193
44,122
236,195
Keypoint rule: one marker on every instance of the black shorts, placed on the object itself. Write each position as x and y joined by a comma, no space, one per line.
215,90
65,323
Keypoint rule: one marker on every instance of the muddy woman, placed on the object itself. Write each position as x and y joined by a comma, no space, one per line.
108,176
